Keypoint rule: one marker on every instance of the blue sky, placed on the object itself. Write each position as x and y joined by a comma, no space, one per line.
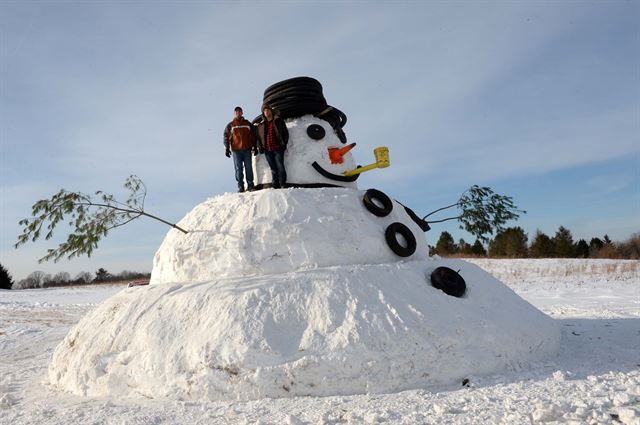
539,100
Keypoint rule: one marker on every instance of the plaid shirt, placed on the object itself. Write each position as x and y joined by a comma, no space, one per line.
271,142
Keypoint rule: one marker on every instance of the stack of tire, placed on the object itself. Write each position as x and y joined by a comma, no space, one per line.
300,96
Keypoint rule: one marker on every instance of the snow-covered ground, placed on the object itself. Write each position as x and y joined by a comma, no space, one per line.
594,379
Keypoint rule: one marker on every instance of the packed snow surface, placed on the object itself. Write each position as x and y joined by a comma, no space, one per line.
278,231
595,379
281,293
338,330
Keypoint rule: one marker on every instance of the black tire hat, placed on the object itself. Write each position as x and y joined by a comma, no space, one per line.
300,96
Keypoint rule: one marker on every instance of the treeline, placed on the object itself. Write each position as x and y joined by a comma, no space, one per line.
513,242
40,279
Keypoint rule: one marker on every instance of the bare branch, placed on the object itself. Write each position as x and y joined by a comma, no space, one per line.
438,210
445,219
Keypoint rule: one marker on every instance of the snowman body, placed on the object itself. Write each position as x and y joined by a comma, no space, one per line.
320,289
280,231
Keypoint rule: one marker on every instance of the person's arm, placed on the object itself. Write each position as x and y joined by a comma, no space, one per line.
226,136
259,141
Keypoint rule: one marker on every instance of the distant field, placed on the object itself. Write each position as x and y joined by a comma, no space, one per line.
561,271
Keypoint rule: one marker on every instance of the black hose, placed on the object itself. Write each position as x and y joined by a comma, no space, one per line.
300,96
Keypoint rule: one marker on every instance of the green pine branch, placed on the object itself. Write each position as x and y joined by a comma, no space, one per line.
91,217
482,212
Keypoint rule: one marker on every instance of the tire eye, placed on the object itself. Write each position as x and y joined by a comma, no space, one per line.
315,131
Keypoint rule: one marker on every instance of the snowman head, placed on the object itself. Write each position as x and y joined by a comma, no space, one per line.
316,156
317,153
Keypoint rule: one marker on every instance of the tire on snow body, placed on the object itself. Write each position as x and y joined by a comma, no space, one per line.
449,281
391,236
372,195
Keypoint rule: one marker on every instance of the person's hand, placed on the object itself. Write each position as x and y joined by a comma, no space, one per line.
227,152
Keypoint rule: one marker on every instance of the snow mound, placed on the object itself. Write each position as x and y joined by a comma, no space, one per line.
338,330
278,231
295,292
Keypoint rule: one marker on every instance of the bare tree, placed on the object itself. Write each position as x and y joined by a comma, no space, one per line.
83,277
34,280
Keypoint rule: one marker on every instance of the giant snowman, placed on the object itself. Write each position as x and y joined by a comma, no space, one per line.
319,289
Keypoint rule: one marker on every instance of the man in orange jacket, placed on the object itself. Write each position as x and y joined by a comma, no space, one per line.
240,139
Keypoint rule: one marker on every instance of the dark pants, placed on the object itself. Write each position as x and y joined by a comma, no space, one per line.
242,160
276,163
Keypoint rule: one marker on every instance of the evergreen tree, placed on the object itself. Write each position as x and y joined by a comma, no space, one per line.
608,250
595,244
563,243
511,242
517,243
463,247
445,245
582,249
6,281
478,249
481,212
102,275
541,246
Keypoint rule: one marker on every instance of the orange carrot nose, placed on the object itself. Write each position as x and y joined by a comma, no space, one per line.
336,154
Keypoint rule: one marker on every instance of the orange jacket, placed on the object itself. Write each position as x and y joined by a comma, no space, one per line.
239,135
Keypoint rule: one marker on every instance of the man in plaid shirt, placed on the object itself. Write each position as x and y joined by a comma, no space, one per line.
272,141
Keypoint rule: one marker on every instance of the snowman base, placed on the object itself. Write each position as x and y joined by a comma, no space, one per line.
339,330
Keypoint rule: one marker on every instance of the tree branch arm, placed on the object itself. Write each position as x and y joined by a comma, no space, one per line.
141,212
440,209
445,219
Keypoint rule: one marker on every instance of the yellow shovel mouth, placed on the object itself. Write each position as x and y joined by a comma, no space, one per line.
382,161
